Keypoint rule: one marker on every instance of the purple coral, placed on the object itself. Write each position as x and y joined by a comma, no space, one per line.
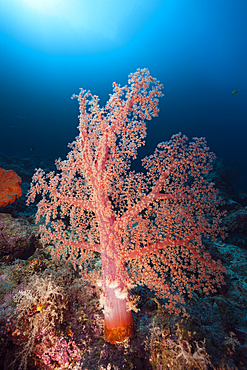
57,351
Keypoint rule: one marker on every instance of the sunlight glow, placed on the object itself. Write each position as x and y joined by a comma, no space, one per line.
49,7
74,26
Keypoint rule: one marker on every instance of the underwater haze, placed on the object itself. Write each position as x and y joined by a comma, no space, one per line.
197,49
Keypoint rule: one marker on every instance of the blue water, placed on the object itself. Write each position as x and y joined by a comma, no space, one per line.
197,49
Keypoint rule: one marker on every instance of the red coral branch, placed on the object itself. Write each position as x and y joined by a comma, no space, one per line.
153,224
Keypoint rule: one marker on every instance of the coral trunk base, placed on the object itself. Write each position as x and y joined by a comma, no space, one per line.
119,335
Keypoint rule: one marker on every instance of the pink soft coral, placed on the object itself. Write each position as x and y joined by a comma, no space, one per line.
151,223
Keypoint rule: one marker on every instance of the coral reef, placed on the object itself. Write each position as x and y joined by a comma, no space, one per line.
77,338
66,329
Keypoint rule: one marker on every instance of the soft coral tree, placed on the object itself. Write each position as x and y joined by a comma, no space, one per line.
148,228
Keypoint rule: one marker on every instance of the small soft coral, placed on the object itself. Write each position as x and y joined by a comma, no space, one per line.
39,310
10,189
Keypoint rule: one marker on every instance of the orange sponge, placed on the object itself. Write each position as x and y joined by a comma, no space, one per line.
10,189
